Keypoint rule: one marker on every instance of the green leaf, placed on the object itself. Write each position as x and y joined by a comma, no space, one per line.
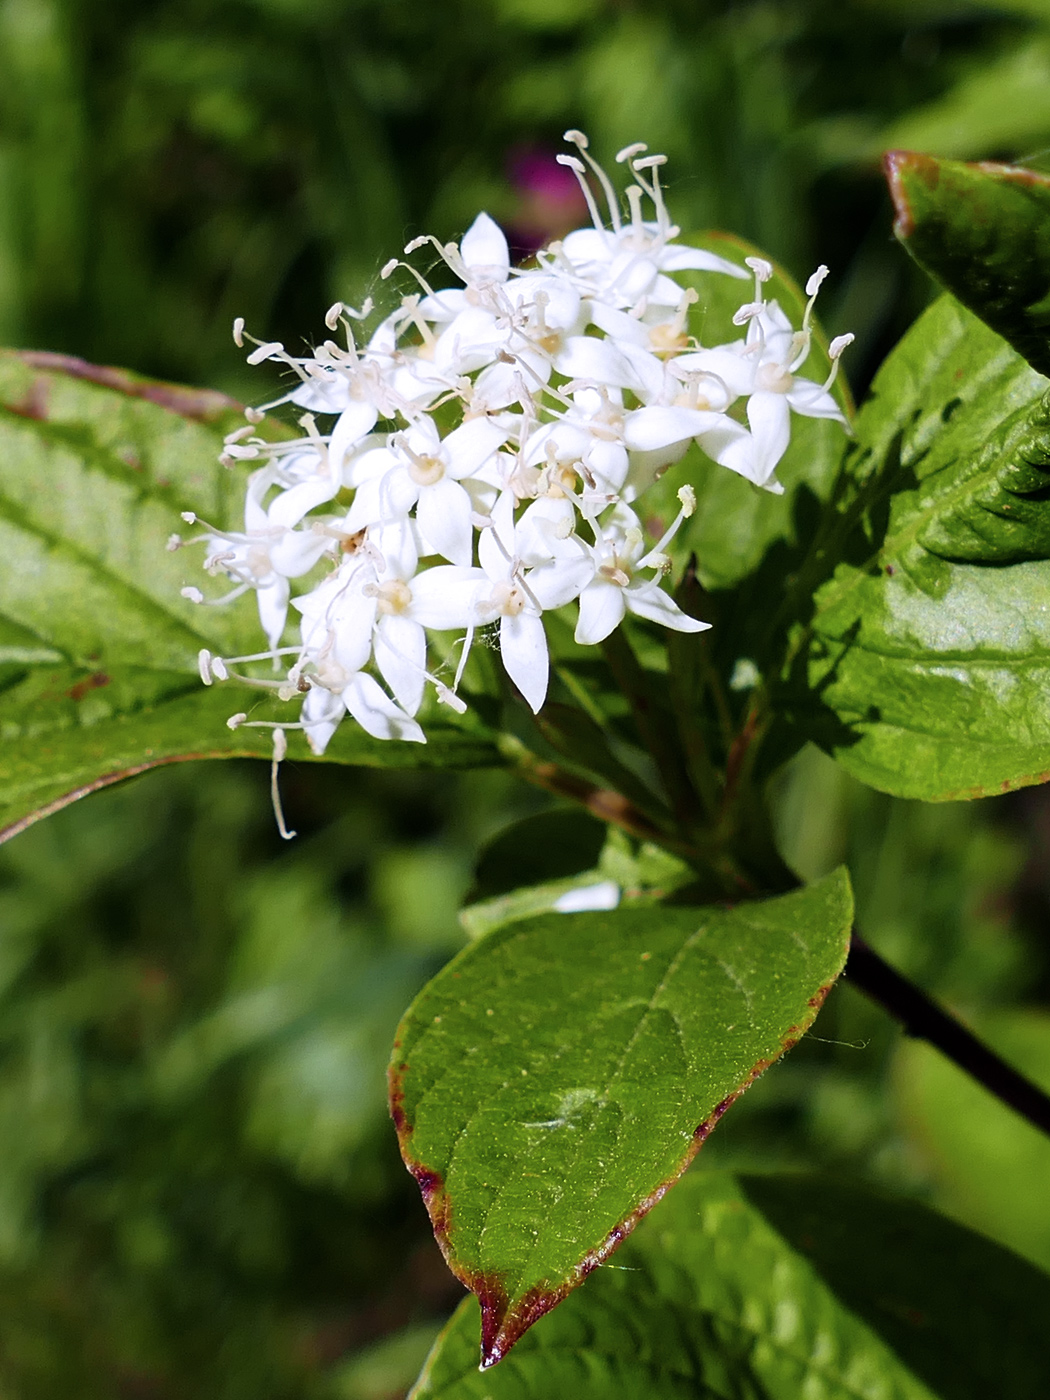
98,670
778,1287
984,232
989,1166
929,647
557,1077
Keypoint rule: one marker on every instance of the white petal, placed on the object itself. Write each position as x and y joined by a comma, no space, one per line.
664,291
812,401
570,441
497,547
255,516
617,324
587,357
499,385
383,499
290,507
273,607
448,597
560,581
770,420
321,714
523,646
377,714
677,258
470,445
370,465
470,342
338,618
357,420
443,515
297,552
401,655
325,391
649,372
484,250
601,611
543,531
444,305
608,462
658,426
647,599
397,544
735,370
646,467
732,447
589,245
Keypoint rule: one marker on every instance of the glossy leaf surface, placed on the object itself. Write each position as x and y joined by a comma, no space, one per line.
98,669
929,646
553,1081
984,232
780,1288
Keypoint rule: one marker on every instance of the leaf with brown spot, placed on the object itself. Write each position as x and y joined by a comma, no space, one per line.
558,1076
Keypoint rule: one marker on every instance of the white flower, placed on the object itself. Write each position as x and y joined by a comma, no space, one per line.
266,554
422,469
561,391
362,697
519,597
618,584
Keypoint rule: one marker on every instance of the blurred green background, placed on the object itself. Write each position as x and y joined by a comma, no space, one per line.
200,1194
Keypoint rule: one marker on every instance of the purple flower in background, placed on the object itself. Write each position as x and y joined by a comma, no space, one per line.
550,203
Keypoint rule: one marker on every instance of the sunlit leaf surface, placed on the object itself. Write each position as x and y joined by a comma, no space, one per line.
555,1078
777,1287
929,646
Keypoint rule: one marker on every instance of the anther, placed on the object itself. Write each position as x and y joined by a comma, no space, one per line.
762,269
581,142
580,171
813,285
238,332
839,344
265,351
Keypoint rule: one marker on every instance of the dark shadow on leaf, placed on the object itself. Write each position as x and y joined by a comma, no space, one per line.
965,1315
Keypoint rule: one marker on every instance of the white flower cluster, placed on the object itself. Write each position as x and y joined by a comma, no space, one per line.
521,415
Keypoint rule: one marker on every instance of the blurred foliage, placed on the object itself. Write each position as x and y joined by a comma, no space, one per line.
167,165
199,1190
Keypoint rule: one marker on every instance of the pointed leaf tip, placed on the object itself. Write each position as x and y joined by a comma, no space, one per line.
983,231
553,1075
900,167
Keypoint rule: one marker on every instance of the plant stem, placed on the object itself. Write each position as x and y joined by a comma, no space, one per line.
925,1020
656,733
